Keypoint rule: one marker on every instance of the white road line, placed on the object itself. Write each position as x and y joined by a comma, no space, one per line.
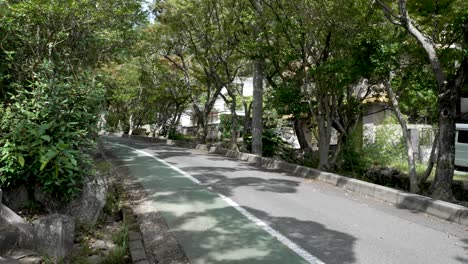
190,177
288,243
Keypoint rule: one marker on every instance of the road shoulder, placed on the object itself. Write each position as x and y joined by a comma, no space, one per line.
159,244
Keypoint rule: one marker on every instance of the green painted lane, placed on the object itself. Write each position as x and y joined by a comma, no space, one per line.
209,229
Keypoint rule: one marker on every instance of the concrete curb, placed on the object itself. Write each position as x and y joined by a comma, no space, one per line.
135,241
444,210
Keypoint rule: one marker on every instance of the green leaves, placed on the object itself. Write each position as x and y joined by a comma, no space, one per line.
46,138
44,132
21,160
47,157
74,35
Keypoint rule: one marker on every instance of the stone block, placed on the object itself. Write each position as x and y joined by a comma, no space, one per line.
16,198
221,150
138,255
275,164
463,217
133,236
244,156
9,238
233,154
212,150
25,229
444,210
326,177
136,245
88,206
386,194
301,171
285,166
312,173
54,235
412,201
267,162
360,187
202,147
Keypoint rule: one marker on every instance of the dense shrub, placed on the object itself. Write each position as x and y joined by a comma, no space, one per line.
353,158
44,131
272,142
225,125
387,147
181,137
387,176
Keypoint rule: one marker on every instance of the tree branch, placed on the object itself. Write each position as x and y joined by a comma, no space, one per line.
389,13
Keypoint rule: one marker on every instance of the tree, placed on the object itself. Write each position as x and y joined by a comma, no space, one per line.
198,42
50,96
128,98
309,51
448,81
414,184
73,35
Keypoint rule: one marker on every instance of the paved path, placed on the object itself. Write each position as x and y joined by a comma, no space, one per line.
225,211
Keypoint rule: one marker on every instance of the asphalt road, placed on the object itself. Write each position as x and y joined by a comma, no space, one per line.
313,222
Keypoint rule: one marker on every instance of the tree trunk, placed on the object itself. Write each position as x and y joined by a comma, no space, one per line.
119,126
324,124
257,111
300,124
130,123
175,120
234,132
414,186
441,187
248,109
432,160
202,128
102,122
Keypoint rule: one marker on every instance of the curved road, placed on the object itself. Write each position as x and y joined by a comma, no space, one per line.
227,211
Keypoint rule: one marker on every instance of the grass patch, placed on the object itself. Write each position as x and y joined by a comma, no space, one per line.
421,168
120,253
402,165
117,256
101,165
113,205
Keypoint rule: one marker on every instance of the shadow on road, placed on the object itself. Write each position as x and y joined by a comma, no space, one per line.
227,237
213,177
328,245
